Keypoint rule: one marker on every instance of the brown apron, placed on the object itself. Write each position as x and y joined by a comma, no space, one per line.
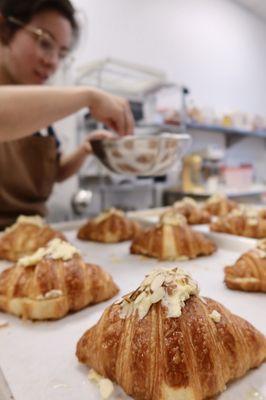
28,170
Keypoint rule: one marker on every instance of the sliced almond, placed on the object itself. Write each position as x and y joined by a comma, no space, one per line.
157,295
169,279
171,286
119,301
157,282
149,278
144,307
134,294
140,298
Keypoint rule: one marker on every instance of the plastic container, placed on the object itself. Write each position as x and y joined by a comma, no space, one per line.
240,177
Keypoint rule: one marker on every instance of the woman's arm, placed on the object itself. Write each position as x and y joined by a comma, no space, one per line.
70,164
26,109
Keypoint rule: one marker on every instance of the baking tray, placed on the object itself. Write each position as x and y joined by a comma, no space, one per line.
38,359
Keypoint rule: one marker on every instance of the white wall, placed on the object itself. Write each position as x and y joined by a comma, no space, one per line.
216,47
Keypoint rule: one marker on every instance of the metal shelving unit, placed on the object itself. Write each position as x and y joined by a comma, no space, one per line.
225,130
233,135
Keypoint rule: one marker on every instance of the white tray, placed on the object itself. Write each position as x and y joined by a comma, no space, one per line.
38,359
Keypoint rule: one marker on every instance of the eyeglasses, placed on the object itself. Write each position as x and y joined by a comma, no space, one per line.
46,44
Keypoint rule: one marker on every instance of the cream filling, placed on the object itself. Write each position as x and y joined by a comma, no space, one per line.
24,219
52,294
262,248
107,214
105,386
262,253
172,217
251,214
215,316
185,201
55,249
216,198
170,286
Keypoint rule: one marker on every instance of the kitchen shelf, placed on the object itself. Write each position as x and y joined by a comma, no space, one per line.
225,130
233,135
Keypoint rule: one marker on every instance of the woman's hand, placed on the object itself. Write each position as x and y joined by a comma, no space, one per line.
96,135
113,111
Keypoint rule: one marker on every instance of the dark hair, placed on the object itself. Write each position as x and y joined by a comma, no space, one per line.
24,10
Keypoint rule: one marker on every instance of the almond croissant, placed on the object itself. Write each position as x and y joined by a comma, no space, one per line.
219,205
172,239
52,282
165,342
25,237
242,222
249,271
109,227
194,213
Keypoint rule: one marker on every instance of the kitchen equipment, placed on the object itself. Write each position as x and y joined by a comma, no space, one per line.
211,167
141,155
191,174
81,201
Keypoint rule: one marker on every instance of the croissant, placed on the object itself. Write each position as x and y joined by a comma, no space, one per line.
25,237
165,342
109,227
194,213
172,239
241,222
249,271
219,205
52,282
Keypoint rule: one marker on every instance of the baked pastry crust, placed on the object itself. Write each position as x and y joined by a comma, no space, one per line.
249,271
194,213
158,357
219,205
242,222
53,287
167,241
25,239
109,227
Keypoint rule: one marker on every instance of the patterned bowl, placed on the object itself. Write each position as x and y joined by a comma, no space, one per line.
141,155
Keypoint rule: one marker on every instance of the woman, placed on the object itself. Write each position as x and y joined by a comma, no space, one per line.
35,36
